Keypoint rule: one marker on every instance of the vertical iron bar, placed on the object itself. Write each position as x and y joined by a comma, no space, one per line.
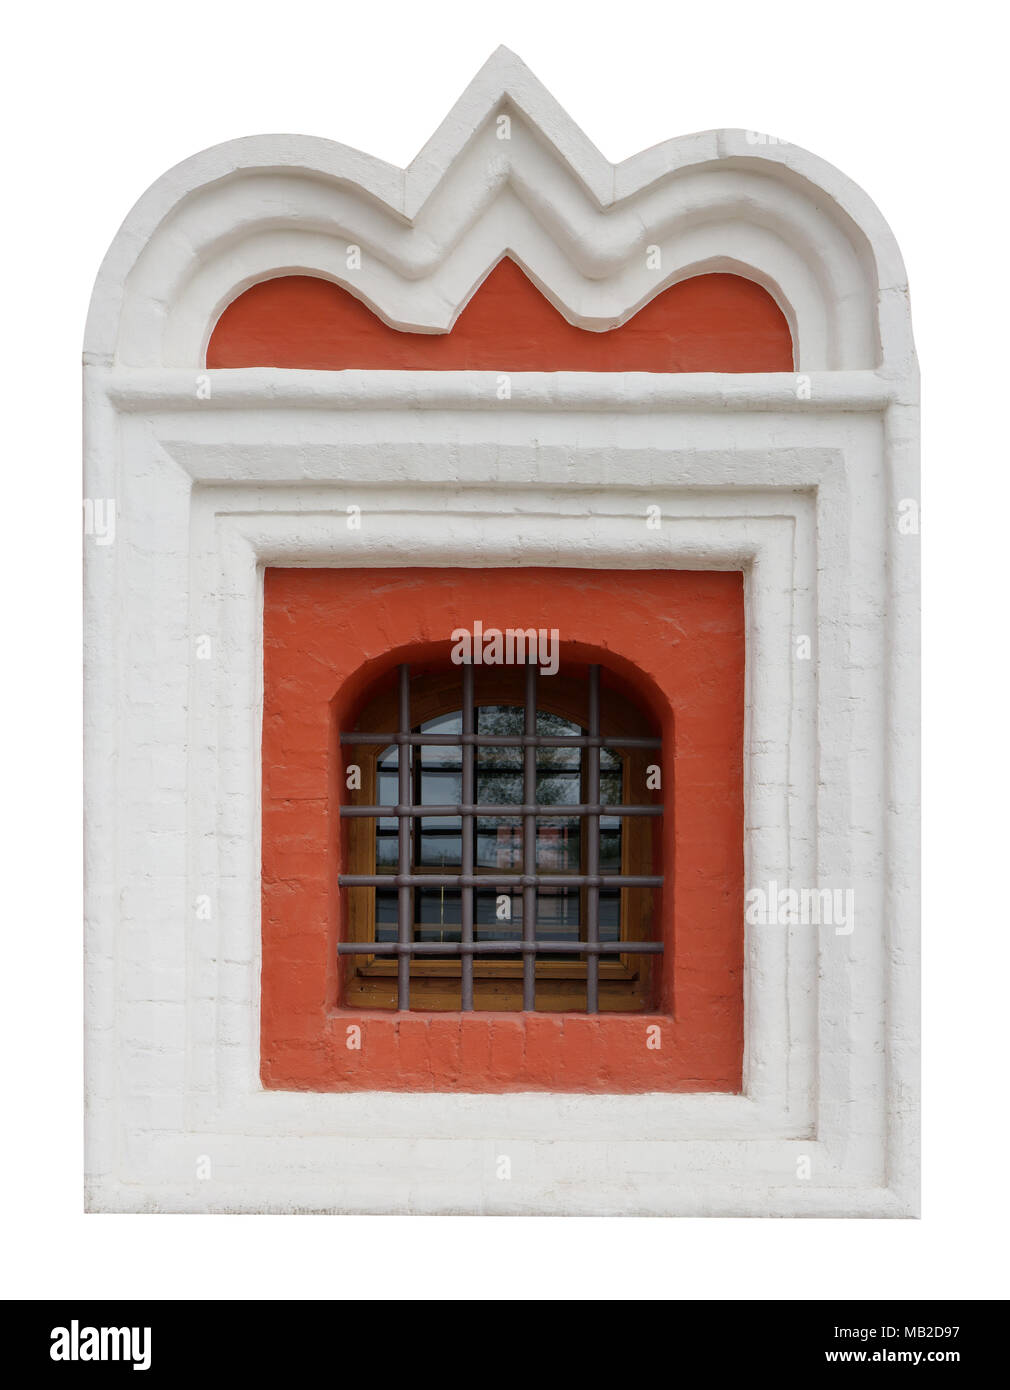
404,916
468,829
593,845
530,840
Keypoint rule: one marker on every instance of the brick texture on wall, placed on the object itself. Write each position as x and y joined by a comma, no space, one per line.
679,637
706,323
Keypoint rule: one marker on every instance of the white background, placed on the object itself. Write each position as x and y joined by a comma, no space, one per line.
104,98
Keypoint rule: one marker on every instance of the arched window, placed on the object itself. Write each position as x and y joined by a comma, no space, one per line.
501,847
405,793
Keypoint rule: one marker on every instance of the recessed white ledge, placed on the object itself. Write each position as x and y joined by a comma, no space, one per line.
181,389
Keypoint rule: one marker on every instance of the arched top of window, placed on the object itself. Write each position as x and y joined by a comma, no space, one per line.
706,323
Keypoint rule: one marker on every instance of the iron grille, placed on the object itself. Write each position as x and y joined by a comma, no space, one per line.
405,948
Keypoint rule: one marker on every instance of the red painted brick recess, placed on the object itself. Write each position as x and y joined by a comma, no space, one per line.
709,323
675,639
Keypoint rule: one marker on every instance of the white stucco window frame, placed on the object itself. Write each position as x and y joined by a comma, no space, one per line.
801,480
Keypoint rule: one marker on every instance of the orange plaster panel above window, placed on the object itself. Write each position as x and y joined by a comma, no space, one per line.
709,323
676,638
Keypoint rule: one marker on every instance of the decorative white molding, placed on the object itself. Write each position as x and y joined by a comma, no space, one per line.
176,389
580,226
798,479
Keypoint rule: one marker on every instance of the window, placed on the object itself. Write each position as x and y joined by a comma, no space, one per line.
670,647
501,849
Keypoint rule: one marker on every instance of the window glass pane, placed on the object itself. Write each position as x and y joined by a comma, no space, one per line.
610,914
497,784
440,786
387,844
387,787
498,915
387,829
611,788
559,786
559,844
557,918
436,914
610,844
439,843
438,781
506,720
499,778
385,914
559,770
438,755
443,724
610,917
499,843
554,726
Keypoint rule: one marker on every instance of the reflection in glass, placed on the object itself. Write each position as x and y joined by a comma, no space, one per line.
499,843
440,844
498,914
437,844
559,844
387,830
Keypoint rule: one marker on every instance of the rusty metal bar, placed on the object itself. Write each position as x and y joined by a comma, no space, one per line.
468,828
408,809
499,948
506,740
491,879
529,839
593,846
510,808
404,907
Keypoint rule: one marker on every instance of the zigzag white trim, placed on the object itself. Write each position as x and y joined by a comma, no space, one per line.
580,226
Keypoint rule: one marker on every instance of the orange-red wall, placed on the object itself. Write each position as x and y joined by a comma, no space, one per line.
711,323
678,638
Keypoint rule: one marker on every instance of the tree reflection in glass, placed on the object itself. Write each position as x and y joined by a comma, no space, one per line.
436,841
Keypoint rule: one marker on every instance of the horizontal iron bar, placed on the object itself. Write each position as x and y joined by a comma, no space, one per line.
505,740
502,809
499,948
493,880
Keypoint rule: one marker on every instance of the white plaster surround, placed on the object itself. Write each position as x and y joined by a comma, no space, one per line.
798,479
